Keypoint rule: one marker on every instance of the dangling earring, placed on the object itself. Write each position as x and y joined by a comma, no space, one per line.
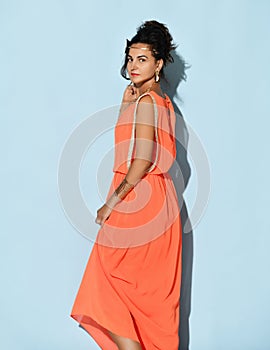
156,76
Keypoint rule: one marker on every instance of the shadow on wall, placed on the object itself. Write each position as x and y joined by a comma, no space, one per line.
175,73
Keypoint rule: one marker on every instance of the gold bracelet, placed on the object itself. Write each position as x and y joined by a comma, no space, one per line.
123,189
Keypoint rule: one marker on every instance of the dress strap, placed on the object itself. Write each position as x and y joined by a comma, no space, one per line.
132,139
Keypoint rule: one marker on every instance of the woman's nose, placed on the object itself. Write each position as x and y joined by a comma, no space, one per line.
134,64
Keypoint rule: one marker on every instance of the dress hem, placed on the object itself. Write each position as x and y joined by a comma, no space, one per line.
99,331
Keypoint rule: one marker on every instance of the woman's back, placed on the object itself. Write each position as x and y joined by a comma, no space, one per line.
165,138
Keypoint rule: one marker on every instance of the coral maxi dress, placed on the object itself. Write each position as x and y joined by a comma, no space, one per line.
131,284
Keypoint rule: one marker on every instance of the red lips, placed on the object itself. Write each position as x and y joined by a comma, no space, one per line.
134,74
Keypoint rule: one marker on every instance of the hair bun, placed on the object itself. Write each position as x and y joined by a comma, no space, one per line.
160,31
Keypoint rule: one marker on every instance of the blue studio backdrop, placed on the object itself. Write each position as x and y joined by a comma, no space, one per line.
60,63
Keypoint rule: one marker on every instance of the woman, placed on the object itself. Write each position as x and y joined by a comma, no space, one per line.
129,294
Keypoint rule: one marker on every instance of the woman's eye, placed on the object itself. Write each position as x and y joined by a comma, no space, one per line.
140,60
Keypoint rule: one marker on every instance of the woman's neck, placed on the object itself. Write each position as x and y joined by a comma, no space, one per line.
150,86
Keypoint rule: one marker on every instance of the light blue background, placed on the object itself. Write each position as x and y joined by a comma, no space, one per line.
60,63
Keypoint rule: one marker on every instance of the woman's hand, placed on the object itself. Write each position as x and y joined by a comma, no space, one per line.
130,94
102,214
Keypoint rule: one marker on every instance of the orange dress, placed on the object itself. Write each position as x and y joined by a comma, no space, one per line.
131,284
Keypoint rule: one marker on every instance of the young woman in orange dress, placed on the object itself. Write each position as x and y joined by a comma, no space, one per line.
129,295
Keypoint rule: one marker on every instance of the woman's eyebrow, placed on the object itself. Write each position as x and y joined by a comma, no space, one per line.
139,56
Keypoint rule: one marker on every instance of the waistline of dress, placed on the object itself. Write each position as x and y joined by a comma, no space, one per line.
166,174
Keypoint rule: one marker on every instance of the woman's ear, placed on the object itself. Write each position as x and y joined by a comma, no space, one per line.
160,64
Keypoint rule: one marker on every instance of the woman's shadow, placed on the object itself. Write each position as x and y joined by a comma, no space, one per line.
180,172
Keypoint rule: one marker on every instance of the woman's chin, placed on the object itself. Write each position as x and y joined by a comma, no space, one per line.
138,82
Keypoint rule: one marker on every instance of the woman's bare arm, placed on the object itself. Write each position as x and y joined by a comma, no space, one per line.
144,140
144,146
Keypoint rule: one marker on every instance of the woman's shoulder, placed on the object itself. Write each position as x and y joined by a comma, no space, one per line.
151,97
145,98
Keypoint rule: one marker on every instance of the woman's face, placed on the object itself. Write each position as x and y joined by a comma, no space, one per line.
141,64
